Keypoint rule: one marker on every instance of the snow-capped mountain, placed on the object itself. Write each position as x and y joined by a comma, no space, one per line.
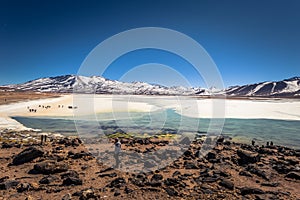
285,88
100,85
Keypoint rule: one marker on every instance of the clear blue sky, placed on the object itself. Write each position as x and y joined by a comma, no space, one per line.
250,41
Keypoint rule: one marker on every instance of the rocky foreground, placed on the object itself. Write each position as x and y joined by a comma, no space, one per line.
64,169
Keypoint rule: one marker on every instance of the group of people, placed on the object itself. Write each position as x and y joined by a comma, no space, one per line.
46,107
268,143
32,110
42,106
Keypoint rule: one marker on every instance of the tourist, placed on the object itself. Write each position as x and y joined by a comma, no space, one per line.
117,152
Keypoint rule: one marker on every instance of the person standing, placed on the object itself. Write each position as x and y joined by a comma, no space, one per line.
117,152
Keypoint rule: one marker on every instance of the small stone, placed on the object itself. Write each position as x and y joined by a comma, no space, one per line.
273,184
48,179
251,190
70,173
111,175
23,187
67,197
117,183
293,175
117,192
171,191
29,198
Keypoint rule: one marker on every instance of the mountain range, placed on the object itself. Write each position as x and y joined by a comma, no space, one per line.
99,85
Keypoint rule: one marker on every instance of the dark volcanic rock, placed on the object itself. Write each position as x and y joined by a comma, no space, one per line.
48,179
50,167
190,165
80,155
254,170
70,142
171,181
140,180
245,173
72,181
266,151
23,187
156,180
282,168
3,179
117,183
86,194
7,145
70,173
117,192
272,184
171,191
8,184
294,175
128,190
109,175
227,184
251,190
211,155
27,155
67,197
247,157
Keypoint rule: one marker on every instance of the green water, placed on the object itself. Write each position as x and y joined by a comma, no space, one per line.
281,132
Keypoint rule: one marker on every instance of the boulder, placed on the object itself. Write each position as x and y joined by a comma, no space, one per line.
50,167
227,184
72,181
27,155
247,157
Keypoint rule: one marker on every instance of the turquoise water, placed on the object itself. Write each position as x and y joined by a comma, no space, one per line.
281,132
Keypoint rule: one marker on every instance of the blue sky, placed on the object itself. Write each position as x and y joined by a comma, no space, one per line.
250,41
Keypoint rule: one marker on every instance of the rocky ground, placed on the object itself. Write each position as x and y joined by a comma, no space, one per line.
63,168
14,96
